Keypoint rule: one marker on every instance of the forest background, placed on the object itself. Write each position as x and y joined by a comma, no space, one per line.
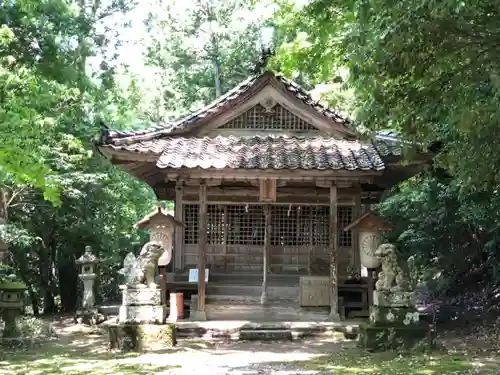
427,70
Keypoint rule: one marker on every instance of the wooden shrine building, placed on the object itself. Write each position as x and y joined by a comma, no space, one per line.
264,180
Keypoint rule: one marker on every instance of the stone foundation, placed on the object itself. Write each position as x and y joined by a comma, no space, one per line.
141,337
392,337
395,324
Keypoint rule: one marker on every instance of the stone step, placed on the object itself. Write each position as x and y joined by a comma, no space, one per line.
265,334
227,330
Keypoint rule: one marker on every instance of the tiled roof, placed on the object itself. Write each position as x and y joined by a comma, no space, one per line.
222,103
261,152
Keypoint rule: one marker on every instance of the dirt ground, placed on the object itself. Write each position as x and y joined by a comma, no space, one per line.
191,356
82,350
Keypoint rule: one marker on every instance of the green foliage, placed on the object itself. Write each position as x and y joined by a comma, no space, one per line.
211,47
453,236
425,69
52,90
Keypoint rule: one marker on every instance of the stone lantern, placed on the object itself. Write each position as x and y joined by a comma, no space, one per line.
87,313
11,305
369,227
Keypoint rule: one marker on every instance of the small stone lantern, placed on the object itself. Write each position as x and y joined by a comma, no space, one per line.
11,305
88,261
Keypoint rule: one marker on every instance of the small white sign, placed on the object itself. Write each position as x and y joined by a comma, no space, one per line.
193,275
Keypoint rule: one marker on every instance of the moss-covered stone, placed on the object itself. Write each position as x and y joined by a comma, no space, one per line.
397,337
141,337
394,315
12,285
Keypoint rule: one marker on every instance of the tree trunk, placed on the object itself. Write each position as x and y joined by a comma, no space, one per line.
3,221
35,304
68,284
218,86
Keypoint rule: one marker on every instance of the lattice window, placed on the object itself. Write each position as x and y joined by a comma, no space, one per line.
245,225
215,224
291,225
277,118
344,219
284,225
320,221
190,224
299,226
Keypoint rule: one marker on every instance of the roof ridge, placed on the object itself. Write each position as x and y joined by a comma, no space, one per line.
182,123
274,137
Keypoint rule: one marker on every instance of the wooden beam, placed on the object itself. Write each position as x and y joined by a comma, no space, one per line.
334,258
281,192
202,247
252,174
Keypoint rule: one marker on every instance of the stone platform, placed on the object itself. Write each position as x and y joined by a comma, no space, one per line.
265,331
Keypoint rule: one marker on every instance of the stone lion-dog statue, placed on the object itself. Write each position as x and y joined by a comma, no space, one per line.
395,275
143,269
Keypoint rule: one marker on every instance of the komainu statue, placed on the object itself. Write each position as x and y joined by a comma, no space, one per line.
395,275
143,269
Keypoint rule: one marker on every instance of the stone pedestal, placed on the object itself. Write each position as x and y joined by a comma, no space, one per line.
141,337
395,324
141,304
393,299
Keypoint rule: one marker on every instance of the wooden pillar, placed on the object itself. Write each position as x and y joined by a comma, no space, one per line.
334,308
356,212
179,232
267,240
202,246
226,235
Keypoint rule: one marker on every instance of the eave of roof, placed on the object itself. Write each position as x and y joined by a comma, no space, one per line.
264,152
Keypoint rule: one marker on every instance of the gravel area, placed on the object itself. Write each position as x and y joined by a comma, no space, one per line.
248,358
